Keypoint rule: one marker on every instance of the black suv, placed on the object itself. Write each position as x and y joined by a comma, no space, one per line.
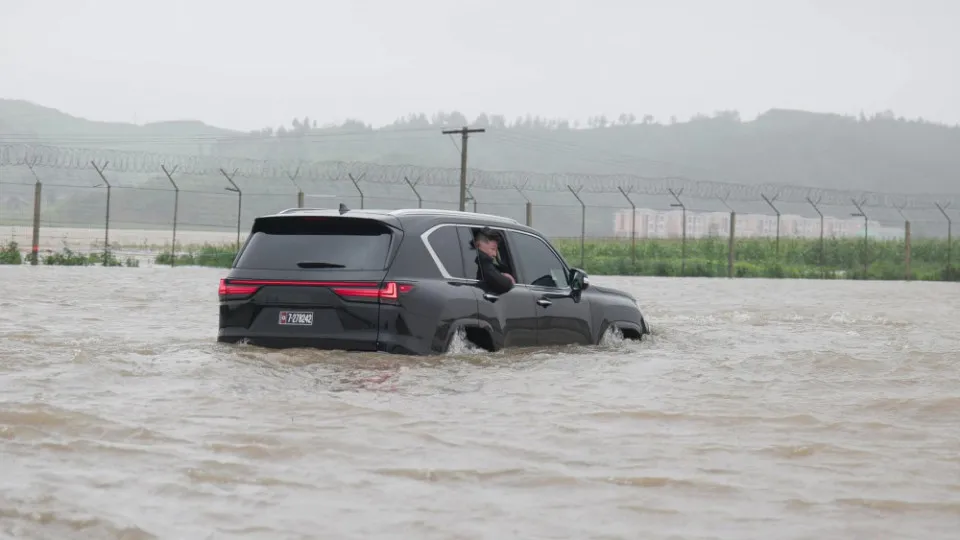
406,281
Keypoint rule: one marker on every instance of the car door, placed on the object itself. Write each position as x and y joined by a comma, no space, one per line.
563,318
511,317
457,296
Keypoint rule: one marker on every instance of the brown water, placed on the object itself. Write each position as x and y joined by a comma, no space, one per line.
758,410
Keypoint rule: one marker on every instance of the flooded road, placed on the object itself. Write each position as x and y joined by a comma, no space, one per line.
758,410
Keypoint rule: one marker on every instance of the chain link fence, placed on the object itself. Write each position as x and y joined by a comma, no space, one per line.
116,208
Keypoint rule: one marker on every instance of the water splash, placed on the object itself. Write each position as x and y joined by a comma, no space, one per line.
459,344
612,338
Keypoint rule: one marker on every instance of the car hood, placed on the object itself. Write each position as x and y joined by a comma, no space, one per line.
612,292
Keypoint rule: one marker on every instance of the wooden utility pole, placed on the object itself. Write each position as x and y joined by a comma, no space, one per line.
464,135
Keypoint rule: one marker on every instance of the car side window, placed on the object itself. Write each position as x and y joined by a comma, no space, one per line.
469,252
538,264
446,245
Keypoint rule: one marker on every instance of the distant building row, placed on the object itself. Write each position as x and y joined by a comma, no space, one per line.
669,224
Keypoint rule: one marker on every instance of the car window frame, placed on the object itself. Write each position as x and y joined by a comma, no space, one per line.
444,271
517,256
514,256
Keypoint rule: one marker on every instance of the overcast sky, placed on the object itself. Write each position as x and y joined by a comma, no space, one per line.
247,64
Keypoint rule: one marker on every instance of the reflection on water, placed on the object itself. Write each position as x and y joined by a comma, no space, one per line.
758,409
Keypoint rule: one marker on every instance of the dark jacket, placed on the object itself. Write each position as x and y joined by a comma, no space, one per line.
490,272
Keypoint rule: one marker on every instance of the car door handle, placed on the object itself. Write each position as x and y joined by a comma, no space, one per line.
490,297
544,302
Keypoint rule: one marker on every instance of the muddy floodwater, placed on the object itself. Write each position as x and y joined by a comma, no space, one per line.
758,410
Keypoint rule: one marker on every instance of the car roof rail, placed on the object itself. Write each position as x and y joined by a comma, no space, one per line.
450,213
299,210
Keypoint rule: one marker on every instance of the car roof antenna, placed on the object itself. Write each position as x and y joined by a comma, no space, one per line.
343,209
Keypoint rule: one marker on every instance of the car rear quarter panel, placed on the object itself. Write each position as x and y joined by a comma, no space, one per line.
429,315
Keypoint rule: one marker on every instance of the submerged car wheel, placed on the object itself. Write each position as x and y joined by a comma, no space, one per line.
618,333
469,339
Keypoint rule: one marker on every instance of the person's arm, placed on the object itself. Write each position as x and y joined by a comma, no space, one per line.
499,282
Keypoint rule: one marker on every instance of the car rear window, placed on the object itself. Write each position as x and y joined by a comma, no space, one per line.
290,243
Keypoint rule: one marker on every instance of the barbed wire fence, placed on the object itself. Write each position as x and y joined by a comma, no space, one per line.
144,203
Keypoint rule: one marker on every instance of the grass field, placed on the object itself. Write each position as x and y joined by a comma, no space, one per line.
707,257
757,257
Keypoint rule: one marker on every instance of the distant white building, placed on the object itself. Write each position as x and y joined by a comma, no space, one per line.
669,224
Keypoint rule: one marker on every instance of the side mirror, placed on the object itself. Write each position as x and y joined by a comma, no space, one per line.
578,280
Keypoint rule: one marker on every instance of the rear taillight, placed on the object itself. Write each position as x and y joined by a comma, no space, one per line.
345,289
390,291
236,289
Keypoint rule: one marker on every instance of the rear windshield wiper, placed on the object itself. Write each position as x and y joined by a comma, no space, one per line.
319,264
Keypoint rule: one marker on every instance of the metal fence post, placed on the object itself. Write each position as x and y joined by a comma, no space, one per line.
776,211
528,207
471,198
583,221
731,256
943,210
866,234
176,207
356,184
293,178
236,189
633,223
106,228
823,270
906,249
413,187
683,241
906,242
731,242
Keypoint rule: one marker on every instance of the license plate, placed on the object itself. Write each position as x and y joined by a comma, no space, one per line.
296,318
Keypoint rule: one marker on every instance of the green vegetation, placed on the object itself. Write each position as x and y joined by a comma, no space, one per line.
756,258
10,254
66,257
205,255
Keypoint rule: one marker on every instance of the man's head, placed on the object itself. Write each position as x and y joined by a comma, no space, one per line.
487,240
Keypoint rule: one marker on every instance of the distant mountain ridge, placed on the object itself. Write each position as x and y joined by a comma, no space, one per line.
23,121
876,153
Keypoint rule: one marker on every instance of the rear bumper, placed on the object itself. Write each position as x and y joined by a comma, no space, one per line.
351,341
346,341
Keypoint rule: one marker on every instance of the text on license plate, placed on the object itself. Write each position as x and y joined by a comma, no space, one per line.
296,318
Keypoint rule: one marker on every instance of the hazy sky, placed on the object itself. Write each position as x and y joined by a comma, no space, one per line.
247,64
